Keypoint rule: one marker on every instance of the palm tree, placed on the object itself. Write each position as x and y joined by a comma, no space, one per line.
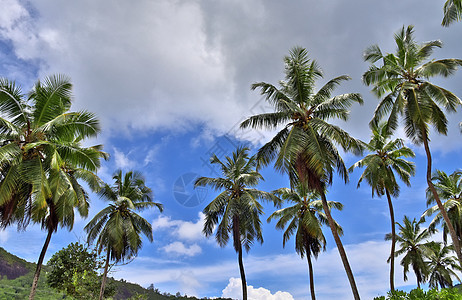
449,188
305,148
37,134
414,246
117,227
441,266
452,12
379,172
402,81
236,209
305,217
41,157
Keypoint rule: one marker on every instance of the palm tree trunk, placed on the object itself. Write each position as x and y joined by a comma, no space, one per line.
310,269
341,250
454,237
238,248
241,270
103,281
393,242
39,265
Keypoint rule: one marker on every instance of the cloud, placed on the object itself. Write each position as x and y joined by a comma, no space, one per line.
122,161
178,248
142,73
183,230
234,290
187,232
4,235
193,63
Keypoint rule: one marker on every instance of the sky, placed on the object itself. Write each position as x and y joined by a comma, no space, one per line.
170,81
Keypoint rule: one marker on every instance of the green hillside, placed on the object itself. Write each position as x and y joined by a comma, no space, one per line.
16,279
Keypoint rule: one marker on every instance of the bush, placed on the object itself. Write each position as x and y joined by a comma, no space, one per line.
419,294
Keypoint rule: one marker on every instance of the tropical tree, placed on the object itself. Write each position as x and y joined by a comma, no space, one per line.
441,265
414,246
402,81
74,270
380,166
305,147
452,12
304,218
41,157
449,188
236,210
117,228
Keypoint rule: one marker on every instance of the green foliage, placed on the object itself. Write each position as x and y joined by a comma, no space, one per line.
73,270
419,294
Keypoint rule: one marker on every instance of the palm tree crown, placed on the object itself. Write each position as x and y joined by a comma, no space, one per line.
449,188
304,114
402,81
117,227
384,161
441,265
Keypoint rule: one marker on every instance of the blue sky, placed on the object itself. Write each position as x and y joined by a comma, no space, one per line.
170,80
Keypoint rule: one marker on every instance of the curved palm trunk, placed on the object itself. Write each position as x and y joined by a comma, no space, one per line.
241,270
393,242
238,248
455,239
310,269
341,250
39,265
103,281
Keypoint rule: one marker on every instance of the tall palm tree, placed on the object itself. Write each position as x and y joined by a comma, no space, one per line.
236,209
305,148
449,188
304,218
380,166
402,81
452,12
117,227
441,266
414,246
41,157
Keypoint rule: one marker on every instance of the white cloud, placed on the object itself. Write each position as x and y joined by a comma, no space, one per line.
178,248
9,17
122,161
234,290
4,235
183,230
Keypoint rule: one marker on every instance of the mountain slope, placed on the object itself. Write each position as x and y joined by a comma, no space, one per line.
16,276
